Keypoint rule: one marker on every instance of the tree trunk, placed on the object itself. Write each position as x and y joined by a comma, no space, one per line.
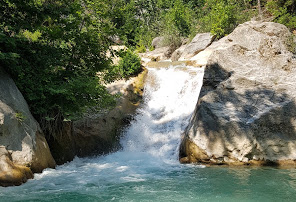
259,9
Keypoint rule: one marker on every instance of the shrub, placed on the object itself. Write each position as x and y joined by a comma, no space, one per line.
130,64
284,12
179,20
221,17
140,48
53,51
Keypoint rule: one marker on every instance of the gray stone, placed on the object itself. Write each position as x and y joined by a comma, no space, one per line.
158,54
246,111
198,44
177,53
158,42
20,133
98,133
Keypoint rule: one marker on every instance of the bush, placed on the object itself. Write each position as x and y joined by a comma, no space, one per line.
284,12
140,48
53,51
221,17
178,21
129,65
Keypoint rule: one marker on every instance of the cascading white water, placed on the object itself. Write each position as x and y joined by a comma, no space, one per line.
147,168
170,97
150,143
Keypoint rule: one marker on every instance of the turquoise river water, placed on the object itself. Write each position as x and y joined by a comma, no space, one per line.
147,167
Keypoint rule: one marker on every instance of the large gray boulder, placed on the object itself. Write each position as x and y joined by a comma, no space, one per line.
246,112
23,146
200,42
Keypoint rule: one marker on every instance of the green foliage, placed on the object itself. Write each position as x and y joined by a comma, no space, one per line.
221,17
140,48
179,19
284,12
129,65
20,117
53,50
138,22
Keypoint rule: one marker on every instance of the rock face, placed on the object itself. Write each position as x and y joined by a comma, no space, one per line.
177,53
246,112
157,42
98,134
23,148
158,54
12,174
198,44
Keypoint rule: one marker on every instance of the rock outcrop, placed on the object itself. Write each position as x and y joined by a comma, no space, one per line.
246,112
178,53
158,42
98,133
23,148
165,51
199,43
159,54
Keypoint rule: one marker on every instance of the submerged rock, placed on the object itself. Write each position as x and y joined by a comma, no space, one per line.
23,148
246,112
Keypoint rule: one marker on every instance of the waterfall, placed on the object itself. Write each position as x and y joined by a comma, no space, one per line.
147,166
170,96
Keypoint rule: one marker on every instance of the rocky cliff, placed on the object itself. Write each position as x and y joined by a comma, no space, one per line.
246,112
98,133
23,148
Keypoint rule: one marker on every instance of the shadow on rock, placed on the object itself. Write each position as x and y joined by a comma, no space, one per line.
235,123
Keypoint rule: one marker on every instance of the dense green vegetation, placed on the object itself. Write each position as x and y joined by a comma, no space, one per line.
129,65
54,49
284,12
137,22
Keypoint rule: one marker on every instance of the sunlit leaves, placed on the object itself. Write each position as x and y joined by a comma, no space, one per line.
54,49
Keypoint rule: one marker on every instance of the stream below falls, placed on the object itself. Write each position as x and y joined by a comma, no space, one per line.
147,166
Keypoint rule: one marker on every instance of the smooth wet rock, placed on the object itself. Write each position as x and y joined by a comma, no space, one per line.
246,112
20,135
